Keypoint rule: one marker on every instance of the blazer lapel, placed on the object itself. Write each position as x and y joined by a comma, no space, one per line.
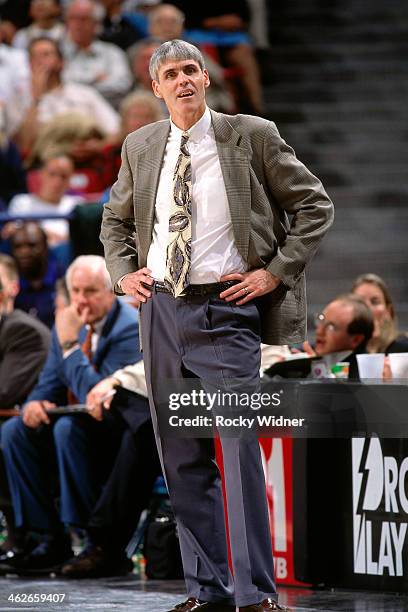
147,174
234,160
105,333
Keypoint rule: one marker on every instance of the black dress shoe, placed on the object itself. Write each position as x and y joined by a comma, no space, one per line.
9,559
267,605
192,604
95,562
46,558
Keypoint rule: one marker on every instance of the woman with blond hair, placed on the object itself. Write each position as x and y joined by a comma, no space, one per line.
386,337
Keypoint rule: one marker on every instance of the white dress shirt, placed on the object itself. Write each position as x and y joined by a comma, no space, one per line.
133,378
213,250
96,334
26,204
101,58
24,36
14,87
71,97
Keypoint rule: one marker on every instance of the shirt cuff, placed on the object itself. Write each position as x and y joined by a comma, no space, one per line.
69,352
119,282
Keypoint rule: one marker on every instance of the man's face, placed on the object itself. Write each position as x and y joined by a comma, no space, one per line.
88,293
166,23
182,84
81,24
55,177
331,329
44,56
140,65
29,249
44,9
136,117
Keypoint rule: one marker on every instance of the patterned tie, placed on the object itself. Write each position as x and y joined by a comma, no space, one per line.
177,276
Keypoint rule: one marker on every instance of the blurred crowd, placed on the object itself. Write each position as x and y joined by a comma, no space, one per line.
80,459
74,81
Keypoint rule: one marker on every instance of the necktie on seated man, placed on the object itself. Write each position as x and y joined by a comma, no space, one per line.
178,261
86,348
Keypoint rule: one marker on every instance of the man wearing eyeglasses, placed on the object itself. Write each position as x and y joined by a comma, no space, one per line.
344,325
343,329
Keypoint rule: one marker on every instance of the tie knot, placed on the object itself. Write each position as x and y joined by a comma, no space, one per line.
184,138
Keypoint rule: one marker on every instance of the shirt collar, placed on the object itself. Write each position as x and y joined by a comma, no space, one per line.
72,49
198,130
98,325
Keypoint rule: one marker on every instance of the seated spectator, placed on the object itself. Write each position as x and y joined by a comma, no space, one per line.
7,30
136,110
14,87
38,272
46,23
224,23
13,16
129,487
93,337
51,199
24,343
50,97
166,22
343,329
139,57
84,141
90,61
386,338
119,27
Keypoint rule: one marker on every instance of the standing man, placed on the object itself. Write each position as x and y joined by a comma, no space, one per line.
197,230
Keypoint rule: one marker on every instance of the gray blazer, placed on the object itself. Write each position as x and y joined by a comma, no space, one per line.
264,183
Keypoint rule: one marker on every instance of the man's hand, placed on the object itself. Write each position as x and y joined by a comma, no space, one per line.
100,396
131,284
40,81
68,322
35,413
387,374
252,284
307,348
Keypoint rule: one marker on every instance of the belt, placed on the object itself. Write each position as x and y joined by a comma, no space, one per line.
205,289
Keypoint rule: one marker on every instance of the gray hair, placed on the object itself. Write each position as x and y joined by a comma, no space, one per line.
155,12
177,50
98,11
144,98
95,263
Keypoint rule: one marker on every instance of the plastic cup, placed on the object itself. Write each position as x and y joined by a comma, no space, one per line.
370,366
399,366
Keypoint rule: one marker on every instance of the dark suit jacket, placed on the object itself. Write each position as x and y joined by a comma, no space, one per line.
24,343
264,183
118,345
